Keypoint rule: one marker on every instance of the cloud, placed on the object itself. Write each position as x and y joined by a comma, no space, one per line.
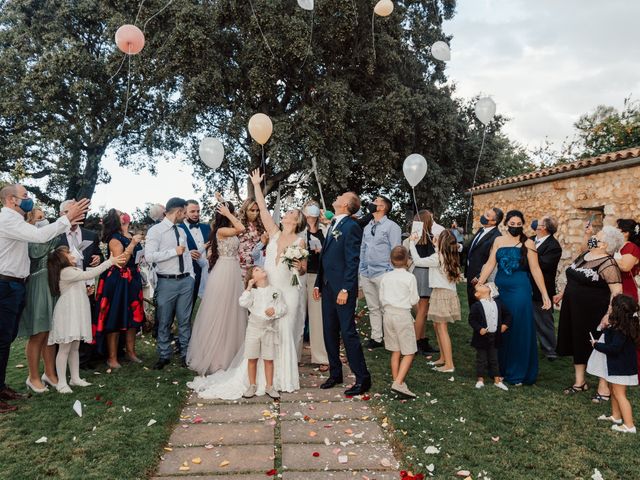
545,63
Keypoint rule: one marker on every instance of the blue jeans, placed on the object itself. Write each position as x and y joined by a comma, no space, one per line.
11,304
174,298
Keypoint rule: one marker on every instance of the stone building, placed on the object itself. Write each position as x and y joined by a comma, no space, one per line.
601,189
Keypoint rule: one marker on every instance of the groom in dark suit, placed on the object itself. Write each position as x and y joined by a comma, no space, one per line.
549,254
480,247
337,284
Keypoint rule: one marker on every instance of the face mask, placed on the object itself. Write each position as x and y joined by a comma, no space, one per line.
312,211
328,214
26,204
484,220
592,243
125,218
42,223
372,207
515,231
534,225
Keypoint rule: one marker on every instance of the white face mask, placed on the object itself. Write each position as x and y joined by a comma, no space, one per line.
42,223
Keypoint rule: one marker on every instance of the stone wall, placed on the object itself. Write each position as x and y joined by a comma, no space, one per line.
603,197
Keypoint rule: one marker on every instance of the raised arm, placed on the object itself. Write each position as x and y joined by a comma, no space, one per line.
73,274
237,226
267,220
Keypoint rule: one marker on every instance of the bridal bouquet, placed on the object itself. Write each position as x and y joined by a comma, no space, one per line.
289,256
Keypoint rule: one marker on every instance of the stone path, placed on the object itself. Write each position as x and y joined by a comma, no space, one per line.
311,434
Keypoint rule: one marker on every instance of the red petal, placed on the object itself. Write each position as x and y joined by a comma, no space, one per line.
272,472
403,473
419,476
316,454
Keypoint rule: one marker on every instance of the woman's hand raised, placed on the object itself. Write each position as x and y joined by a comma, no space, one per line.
256,177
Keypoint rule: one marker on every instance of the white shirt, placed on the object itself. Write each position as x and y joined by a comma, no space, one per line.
490,308
259,299
399,289
540,241
335,220
15,235
160,248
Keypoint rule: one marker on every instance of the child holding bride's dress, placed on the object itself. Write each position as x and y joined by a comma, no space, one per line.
71,321
265,305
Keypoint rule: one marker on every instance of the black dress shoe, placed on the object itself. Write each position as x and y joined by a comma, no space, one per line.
358,388
374,344
159,365
10,394
332,382
429,349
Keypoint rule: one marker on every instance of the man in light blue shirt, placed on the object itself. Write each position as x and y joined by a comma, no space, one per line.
380,236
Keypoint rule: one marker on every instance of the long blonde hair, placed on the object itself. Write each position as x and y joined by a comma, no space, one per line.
449,258
426,217
242,215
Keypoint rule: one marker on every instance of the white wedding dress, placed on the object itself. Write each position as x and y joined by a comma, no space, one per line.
231,383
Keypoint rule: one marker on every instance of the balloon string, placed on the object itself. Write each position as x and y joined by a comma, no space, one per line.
260,28
126,104
475,174
156,14
264,169
415,203
315,171
373,34
139,10
310,40
119,68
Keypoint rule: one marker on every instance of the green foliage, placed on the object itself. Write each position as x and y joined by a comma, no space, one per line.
208,66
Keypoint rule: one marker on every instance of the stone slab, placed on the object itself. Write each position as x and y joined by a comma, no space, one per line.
336,432
343,475
225,476
194,400
241,458
327,411
215,434
314,395
369,456
225,413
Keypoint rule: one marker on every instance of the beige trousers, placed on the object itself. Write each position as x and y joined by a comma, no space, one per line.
316,337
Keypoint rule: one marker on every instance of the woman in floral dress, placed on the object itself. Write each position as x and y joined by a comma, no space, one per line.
249,215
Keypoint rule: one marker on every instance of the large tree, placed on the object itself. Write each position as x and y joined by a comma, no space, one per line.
208,66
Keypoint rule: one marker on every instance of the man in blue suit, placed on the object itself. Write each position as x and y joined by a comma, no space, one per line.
197,237
337,285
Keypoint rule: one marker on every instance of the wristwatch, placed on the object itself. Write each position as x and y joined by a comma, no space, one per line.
344,290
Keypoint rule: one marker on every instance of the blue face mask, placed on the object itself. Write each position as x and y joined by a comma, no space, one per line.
484,220
26,204
534,225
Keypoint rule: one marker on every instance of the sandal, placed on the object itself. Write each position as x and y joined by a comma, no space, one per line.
573,389
599,398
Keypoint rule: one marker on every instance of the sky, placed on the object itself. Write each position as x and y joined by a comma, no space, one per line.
544,63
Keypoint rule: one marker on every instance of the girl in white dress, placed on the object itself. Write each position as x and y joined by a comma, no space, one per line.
231,383
71,321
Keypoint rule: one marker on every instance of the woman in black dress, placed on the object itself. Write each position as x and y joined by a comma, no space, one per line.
119,293
593,279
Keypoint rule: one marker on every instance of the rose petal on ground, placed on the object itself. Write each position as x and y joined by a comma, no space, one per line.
343,459
327,442
385,462
316,454
184,469
42,440
224,463
463,473
431,450
272,472
196,460
168,449
208,446
151,422
431,467
495,439
312,433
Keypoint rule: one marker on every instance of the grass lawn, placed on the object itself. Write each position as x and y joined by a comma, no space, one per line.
111,440
530,432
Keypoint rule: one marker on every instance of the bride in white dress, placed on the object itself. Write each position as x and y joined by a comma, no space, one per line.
230,384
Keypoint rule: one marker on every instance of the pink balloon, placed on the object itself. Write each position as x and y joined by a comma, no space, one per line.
130,39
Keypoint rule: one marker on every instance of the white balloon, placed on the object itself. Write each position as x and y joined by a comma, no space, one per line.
211,152
441,51
306,4
414,168
485,109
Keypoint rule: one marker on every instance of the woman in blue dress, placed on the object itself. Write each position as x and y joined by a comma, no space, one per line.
515,256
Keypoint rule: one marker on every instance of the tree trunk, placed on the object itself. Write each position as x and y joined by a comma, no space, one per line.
83,185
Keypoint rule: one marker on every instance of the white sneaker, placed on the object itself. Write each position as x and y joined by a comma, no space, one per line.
502,386
81,382
272,392
63,388
402,389
617,421
251,392
623,428
479,384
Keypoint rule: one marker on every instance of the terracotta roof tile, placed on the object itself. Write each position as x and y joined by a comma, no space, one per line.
566,167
